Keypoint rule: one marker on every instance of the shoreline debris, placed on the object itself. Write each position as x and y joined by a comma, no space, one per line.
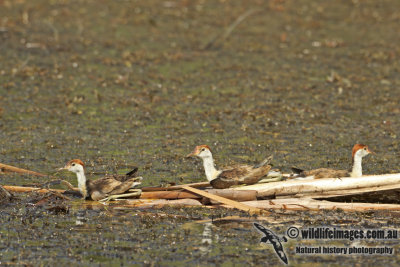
313,195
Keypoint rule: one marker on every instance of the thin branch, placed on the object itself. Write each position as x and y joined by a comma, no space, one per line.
235,204
5,168
229,30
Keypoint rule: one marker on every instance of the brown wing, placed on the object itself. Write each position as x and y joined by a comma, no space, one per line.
326,173
239,175
124,177
235,172
104,185
123,187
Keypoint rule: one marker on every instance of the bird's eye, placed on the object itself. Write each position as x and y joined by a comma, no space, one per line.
73,164
203,149
365,148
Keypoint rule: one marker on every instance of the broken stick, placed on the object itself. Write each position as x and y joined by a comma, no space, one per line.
226,201
8,168
230,29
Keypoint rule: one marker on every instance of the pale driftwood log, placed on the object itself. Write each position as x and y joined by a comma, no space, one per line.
321,186
347,192
316,205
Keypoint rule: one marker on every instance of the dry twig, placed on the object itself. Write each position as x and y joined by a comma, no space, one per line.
221,38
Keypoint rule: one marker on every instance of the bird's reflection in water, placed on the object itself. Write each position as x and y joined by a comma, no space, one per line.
207,240
80,220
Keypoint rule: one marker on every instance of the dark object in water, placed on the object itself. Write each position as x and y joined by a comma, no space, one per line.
5,196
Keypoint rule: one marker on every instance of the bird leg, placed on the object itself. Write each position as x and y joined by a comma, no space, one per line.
264,162
68,184
60,181
134,193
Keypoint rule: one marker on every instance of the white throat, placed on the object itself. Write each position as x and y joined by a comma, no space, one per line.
209,168
82,182
357,166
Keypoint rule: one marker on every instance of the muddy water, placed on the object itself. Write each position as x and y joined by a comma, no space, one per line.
126,83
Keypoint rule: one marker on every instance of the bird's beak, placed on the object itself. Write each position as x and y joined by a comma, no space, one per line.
193,154
371,152
61,169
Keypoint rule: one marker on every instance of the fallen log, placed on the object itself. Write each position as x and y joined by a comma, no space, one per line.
246,195
240,196
227,193
145,195
235,204
156,203
348,192
23,189
316,205
168,195
8,168
320,186
175,187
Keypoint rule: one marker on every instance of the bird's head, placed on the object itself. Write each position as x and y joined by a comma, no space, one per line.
360,150
202,151
75,165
